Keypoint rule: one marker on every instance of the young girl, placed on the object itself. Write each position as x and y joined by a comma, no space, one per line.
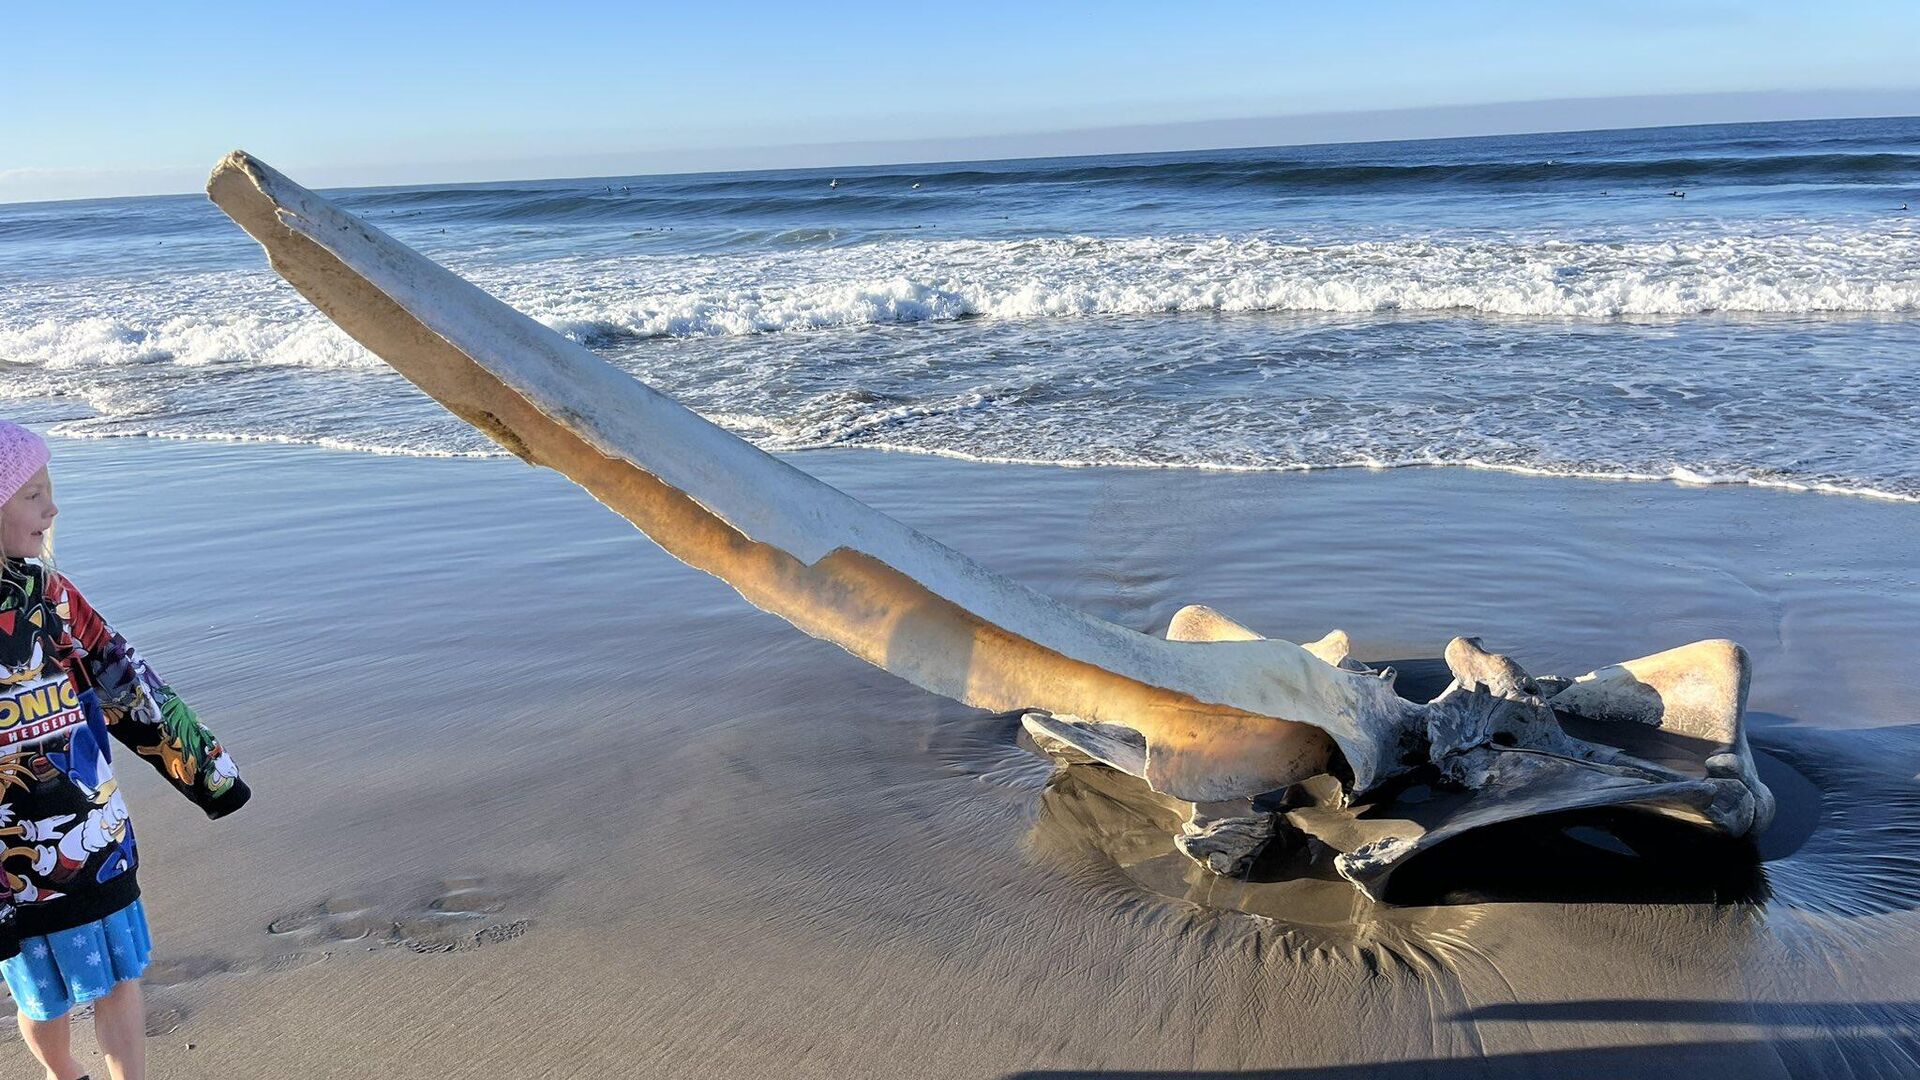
71,927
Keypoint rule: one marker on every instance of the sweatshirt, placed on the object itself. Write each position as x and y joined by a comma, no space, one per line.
67,682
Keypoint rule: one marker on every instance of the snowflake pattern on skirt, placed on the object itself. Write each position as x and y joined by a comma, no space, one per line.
54,973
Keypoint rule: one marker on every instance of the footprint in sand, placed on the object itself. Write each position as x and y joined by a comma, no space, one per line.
164,1017
166,982
338,918
176,970
463,916
292,961
449,915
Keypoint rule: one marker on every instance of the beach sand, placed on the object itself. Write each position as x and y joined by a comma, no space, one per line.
532,799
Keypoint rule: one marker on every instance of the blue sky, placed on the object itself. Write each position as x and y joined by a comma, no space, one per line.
129,98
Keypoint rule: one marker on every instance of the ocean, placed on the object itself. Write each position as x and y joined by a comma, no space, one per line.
1723,304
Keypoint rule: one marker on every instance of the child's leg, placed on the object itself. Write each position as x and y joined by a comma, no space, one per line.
52,1042
120,1026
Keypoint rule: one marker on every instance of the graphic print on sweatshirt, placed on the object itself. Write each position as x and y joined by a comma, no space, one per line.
70,687
34,709
67,758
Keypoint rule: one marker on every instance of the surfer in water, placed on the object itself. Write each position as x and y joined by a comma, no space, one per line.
72,930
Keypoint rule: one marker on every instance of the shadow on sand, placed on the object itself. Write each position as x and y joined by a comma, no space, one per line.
1824,1039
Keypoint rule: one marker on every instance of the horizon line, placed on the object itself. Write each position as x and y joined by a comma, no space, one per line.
1477,121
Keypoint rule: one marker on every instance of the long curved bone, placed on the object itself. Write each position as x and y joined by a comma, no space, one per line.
1213,713
1220,719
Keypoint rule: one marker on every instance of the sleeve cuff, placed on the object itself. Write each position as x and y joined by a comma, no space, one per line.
230,800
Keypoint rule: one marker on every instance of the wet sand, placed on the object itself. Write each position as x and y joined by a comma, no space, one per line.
533,799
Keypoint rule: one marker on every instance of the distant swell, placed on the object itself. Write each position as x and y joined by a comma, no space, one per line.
1356,178
883,188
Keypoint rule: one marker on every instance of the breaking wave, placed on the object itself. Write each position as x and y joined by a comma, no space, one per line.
230,318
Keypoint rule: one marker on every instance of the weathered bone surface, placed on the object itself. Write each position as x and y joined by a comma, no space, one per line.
1213,713
1663,734
1197,622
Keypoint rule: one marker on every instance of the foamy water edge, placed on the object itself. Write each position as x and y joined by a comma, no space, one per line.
1679,475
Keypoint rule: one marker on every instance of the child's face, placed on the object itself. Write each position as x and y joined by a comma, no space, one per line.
26,517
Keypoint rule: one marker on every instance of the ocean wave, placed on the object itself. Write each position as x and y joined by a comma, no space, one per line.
891,282
1361,176
754,311
186,340
1228,172
227,318
859,421
1799,405
151,218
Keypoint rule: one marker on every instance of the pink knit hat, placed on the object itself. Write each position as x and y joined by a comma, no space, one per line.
22,453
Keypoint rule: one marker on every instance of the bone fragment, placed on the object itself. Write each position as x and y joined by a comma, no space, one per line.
1198,622
1226,837
1696,691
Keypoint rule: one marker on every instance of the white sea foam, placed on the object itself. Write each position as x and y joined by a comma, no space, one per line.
228,318
232,338
1574,386
1678,475
84,431
920,282
745,425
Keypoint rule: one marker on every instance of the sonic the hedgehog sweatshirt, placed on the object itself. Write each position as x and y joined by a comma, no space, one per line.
67,681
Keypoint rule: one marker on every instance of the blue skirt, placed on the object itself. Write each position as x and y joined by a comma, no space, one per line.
54,973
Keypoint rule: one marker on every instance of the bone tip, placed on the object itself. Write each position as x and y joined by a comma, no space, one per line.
1732,649
1336,640
1738,661
1721,654
238,164
235,161
1190,614
1198,622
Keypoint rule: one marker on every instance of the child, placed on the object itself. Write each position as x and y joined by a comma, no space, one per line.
71,927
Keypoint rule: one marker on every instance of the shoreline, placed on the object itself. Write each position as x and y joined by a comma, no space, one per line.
534,799
1679,475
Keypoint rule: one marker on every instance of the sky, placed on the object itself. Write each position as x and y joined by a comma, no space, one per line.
119,98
